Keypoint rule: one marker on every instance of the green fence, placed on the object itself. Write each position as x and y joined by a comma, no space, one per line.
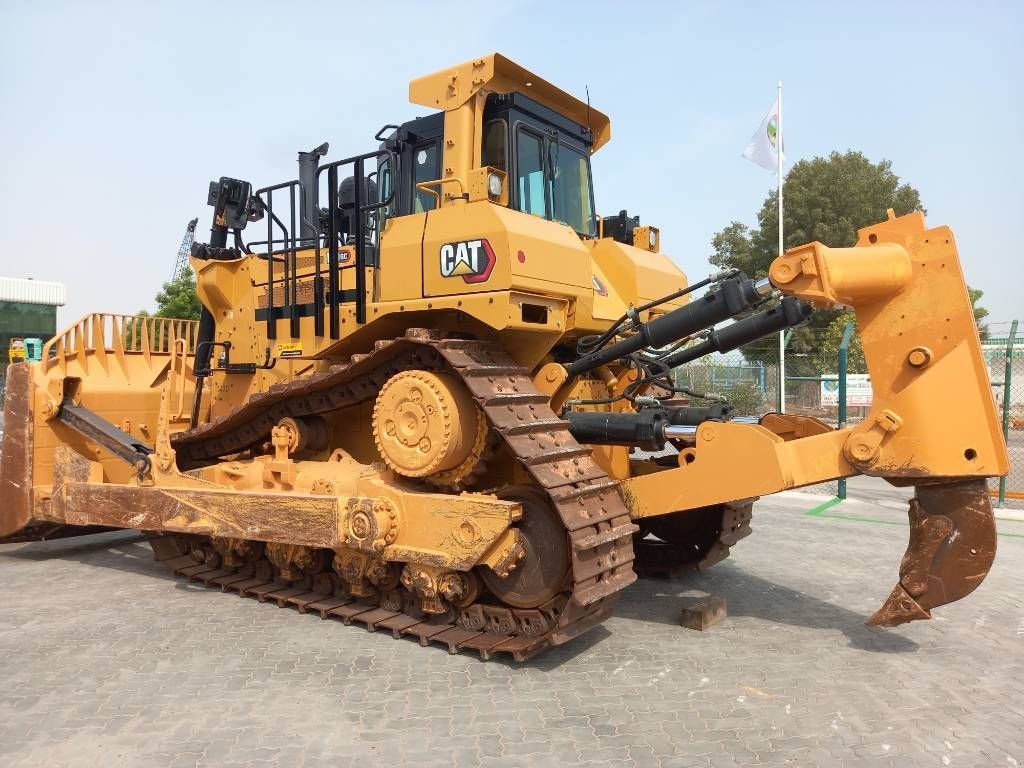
1003,350
824,378
1004,353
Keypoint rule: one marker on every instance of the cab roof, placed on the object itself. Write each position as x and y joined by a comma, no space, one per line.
452,87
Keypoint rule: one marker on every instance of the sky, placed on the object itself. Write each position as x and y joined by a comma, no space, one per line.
114,117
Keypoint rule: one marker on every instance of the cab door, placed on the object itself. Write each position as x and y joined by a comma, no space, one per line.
401,241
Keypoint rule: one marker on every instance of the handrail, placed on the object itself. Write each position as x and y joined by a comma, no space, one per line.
359,208
288,237
283,230
425,186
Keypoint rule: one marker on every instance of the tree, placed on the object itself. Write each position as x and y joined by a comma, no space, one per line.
826,358
828,200
178,298
980,313
734,248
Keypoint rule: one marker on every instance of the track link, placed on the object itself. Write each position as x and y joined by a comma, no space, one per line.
595,519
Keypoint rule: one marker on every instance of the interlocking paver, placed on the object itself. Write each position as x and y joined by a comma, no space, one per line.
109,661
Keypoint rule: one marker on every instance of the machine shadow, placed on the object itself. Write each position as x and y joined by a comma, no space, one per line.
125,550
659,599
553,658
128,551
649,600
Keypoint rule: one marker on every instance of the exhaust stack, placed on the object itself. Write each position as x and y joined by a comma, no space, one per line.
309,225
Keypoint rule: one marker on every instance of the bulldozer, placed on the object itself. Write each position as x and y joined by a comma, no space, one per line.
433,393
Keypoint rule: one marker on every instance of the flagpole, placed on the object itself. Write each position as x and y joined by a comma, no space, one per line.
782,337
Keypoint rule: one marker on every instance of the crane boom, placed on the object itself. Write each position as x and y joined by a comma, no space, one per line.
186,248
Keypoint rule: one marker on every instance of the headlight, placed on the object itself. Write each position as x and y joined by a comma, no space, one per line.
494,185
652,238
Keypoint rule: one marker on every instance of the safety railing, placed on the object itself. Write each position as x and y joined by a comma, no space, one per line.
289,243
359,209
101,336
346,221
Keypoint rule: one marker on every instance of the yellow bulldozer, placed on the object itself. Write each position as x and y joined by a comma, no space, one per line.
432,391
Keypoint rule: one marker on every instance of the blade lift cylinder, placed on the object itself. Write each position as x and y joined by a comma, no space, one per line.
736,295
787,313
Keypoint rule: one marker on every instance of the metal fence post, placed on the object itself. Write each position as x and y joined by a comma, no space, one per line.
1007,397
781,394
844,345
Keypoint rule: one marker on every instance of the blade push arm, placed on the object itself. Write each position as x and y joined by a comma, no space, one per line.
933,421
933,415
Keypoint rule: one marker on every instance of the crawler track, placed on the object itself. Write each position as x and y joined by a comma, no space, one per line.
595,519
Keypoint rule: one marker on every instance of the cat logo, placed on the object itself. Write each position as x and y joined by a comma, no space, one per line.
472,260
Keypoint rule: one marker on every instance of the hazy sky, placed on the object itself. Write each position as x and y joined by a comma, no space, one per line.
114,117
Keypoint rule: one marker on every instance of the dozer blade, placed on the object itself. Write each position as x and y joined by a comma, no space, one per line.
952,546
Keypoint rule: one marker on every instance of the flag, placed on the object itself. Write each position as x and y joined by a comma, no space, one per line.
763,146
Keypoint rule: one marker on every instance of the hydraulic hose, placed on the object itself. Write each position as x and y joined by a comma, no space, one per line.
735,295
787,313
590,344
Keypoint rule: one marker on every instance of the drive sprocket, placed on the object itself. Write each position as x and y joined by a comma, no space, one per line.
426,425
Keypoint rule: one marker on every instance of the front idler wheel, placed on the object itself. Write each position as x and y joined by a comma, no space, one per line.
541,573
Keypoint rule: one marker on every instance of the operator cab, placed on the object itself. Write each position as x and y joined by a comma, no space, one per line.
535,139
545,156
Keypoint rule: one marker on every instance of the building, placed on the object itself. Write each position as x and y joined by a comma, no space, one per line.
28,309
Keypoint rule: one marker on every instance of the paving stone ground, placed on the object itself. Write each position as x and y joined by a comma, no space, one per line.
109,661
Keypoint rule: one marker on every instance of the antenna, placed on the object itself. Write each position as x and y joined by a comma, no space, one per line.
590,129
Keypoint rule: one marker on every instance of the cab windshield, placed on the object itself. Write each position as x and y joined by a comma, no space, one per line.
553,180
570,189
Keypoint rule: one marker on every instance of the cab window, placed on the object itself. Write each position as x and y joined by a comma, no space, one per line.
383,191
530,173
570,189
426,167
495,150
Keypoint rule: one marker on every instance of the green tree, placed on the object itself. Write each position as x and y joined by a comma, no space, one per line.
734,247
178,298
746,399
980,313
826,357
828,200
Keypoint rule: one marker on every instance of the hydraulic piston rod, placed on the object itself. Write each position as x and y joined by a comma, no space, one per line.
647,429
